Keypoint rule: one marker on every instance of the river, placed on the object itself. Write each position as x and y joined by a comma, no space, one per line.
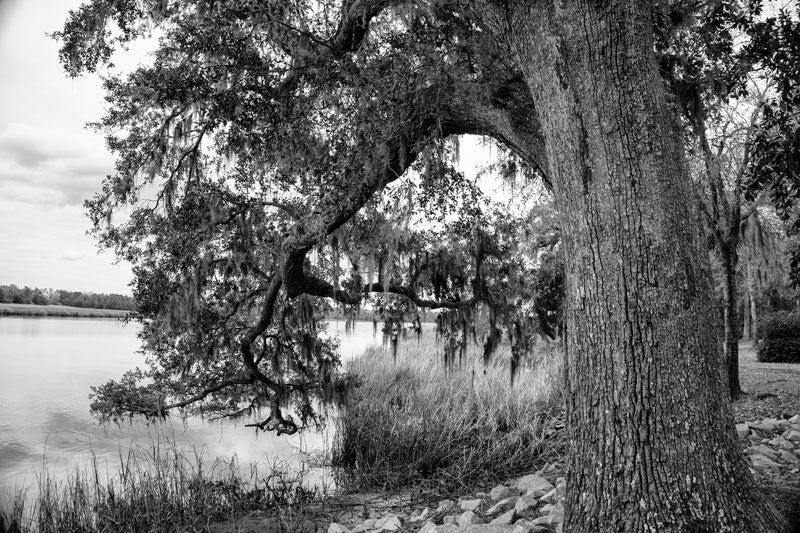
46,368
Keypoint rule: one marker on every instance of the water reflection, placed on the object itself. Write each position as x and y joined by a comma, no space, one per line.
46,368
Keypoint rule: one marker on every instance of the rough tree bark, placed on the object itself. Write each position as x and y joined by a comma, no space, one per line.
652,445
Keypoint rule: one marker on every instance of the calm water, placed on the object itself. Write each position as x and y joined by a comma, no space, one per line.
46,368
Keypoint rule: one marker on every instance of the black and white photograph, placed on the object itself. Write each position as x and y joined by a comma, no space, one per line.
371,266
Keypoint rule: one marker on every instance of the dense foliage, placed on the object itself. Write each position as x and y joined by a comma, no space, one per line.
781,338
776,153
26,295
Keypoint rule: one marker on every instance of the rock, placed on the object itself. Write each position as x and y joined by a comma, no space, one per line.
470,505
543,520
501,492
792,435
468,517
742,430
766,451
449,519
483,528
788,457
557,514
502,506
389,523
759,461
525,526
794,420
522,528
421,516
525,503
780,442
551,496
370,523
534,485
445,506
505,518
337,528
470,528
766,425
561,488
429,527
547,508
560,528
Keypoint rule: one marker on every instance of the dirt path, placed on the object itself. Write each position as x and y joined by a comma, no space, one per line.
773,389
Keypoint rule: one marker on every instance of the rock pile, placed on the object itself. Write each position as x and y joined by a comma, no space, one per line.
535,503
773,443
531,504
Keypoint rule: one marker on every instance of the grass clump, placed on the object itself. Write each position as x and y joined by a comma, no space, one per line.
160,489
780,338
411,420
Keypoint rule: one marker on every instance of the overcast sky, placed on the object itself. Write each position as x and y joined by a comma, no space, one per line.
49,161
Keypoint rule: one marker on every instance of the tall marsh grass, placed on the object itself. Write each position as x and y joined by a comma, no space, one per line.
156,489
412,420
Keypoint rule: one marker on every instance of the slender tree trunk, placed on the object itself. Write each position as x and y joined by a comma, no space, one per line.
651,436
729,262
752,295
747,329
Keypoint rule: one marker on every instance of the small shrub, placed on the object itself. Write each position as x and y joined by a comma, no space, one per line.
780,350
780,338
411,421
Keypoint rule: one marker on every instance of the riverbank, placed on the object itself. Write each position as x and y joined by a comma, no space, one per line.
464,493
32,310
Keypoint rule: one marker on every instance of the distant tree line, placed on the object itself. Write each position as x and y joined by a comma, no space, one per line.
26,295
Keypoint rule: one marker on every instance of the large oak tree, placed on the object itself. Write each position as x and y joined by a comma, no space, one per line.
263,127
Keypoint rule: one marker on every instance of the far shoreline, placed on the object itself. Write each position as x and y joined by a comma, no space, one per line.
59,311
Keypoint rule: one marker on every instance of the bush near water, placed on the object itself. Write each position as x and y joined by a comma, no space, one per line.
780,338
412,420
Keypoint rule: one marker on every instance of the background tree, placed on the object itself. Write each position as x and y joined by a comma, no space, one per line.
776,154
764,251
262,128
725,155
722,71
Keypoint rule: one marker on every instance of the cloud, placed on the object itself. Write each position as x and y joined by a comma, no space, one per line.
51,167
27,152
73,255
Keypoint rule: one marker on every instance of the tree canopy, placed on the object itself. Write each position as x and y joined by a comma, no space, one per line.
256,170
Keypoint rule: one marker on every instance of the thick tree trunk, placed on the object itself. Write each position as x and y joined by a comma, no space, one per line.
729,262
651,437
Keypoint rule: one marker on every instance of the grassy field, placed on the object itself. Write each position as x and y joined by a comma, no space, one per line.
32,310
411,421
